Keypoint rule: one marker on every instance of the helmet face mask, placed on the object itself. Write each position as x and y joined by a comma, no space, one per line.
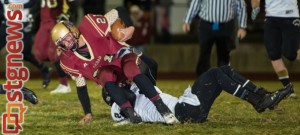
65,34
68,42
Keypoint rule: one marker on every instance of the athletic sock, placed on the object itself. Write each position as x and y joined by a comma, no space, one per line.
283,76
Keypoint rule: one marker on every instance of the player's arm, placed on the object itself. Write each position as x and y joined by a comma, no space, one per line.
122,13
70,68
84,99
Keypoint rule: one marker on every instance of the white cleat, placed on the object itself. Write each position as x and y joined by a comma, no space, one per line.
61,89
121,123
170,118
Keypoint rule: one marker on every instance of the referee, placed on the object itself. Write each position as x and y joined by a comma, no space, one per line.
281,35
216,26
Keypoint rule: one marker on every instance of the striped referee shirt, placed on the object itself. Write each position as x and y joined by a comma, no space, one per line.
218,11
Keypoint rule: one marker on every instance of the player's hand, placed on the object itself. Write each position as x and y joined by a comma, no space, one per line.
86,119
241,33
186,27
128,32
63,17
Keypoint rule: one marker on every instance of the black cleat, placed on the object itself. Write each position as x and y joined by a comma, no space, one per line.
29,95
46,78
132,115
271,100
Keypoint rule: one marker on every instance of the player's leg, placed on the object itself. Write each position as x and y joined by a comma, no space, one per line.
63,86
28,56
273,43
206,89
28,94
149,68
108,78
258,97
132,72
291,40
246,83
206,41
40,47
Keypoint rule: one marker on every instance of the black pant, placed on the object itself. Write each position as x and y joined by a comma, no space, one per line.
207,88
224,38
282,37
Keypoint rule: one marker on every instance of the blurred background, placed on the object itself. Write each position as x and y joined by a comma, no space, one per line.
176,52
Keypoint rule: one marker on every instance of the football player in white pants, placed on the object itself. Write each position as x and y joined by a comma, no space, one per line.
196,101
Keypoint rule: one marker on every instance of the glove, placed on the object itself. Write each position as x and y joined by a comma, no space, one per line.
254,13
63,17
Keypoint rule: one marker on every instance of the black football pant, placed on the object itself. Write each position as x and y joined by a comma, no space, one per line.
208,87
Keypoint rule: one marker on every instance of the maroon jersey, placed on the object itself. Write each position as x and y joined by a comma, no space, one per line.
104,50
51,9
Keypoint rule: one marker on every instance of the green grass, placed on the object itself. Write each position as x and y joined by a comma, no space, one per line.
59,114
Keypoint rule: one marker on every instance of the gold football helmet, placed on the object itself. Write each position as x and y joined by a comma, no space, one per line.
65,34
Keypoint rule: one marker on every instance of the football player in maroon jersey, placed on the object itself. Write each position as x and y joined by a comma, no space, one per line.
91,52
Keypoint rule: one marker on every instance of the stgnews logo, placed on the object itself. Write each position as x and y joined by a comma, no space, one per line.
16,72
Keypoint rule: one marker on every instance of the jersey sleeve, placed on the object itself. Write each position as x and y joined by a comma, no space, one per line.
69,67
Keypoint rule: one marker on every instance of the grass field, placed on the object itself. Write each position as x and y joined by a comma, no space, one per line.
59,114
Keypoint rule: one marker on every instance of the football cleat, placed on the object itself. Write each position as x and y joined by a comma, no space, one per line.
132,116
271,100
165,111
61,89
29,95
123,122
170,118
46,78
